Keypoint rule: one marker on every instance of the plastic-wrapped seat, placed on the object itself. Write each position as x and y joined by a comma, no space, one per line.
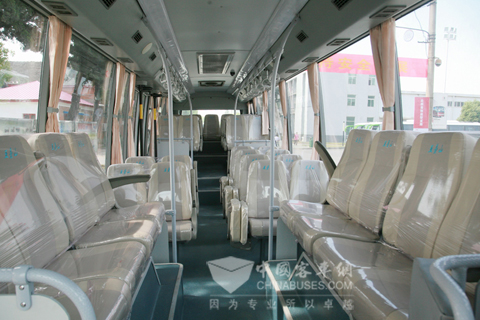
185,130
345,177
309,181
145,161
131,194
369,196
264,149
230,131
223,130
160,190
200,127
193,177
33,232
288,160
254,213
87,161
211,130
379,271
78,204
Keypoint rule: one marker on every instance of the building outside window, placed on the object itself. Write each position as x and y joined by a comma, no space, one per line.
350,121
351,100
372,80
369,119
371,101
352,78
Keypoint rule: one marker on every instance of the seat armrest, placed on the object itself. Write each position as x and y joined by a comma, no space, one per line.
121,181
326,158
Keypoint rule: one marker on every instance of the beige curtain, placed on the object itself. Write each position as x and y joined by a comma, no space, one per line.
382,38
59,36
265,119
250,107
313,83
254,103
130,135
283,102
121,80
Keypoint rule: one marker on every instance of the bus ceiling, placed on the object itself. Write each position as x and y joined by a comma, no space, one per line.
215,45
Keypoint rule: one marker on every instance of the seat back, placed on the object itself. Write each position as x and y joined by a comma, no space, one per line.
258,188
459,232
32,228
145,161
211,129
64,178
96,179
349,168
277,152
253,127
233,153
242,176
196,131
131,194
288,160
235,162
309,181
378,179
159,188
230,130
426,190
162,122
179,158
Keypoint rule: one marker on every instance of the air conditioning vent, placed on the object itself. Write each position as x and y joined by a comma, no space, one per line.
60,8
310,59
153,56
291,71
124,60
107,3
338,42
211,83
340,3
137,37
102,42
387,12
302,36
214,63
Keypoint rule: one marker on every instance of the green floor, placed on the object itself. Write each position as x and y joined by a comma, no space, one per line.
200,288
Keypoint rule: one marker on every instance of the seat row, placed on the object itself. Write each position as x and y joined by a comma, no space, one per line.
58,213
394,197
246,197
181,129
249,127
158,189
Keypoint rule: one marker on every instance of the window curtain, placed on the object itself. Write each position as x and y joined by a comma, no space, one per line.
59,36
254,103
121,80
313,84
283,102
250,107
265,120
382,38
130,135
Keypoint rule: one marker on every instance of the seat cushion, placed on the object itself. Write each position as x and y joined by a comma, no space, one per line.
110,298
308,230
142,231
293,208
333,255
259,227
184,230
379,294
154,211
123,261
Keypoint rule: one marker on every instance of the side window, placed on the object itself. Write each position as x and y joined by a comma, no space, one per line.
22,39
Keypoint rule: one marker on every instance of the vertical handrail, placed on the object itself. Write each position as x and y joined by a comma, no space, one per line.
272,138
171,152
191,127
235,120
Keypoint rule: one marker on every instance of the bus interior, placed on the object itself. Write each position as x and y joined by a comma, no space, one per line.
255,159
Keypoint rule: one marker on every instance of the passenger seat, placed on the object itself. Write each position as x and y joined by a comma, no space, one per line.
211,130
131,194
309,181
